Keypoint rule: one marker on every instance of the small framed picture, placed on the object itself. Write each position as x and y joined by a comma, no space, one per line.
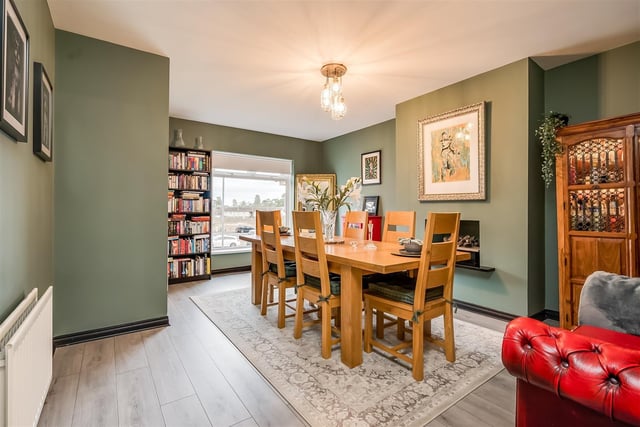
370,205
371,168
15,73
42,113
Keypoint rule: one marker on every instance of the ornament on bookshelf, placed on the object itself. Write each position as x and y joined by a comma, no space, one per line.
199,143
177,138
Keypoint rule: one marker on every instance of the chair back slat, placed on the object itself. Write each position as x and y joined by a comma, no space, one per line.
438,259
398,225
355,225
311,258
269,227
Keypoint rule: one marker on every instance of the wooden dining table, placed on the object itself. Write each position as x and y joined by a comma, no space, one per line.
351,261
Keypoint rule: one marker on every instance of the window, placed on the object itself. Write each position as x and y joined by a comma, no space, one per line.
243,184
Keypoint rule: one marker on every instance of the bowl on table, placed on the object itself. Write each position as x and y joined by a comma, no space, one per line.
284,230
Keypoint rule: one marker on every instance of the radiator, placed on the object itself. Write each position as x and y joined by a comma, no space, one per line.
26,361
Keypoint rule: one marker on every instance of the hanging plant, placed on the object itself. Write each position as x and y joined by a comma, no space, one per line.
546,133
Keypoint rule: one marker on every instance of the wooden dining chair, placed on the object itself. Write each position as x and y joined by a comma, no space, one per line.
398,225
420,299
277,274
355,225
315,283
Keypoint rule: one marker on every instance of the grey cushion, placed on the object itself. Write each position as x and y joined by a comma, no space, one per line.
315,282
611,301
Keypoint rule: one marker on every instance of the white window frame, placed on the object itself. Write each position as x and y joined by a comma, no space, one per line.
235,165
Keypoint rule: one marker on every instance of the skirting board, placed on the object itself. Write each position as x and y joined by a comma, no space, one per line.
240,269
484,310
109,331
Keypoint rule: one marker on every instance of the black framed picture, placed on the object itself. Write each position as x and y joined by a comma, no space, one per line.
370,168
42,113
15,73
370,205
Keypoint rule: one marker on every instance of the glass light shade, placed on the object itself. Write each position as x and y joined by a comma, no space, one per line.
325,99
336,85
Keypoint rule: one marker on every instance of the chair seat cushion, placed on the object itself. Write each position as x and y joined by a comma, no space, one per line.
315,282
289,268
402,291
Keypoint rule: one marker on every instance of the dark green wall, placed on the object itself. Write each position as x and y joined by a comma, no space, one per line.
26,189
112,122
306,155
597,87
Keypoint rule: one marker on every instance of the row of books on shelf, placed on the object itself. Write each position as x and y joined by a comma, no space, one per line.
197,181
190,160
178,224
179,204
188,245
188,267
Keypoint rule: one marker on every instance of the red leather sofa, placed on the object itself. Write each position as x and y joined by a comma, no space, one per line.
587,377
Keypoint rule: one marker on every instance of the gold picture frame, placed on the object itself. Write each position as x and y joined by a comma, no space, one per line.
324,179
451,159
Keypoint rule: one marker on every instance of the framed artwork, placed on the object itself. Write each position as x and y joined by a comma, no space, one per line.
451,155
370,168
324,180
370,205
14,92
42,113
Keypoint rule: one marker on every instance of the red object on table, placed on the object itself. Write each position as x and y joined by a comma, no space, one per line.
377,227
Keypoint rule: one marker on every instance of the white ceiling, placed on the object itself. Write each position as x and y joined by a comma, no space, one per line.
256,64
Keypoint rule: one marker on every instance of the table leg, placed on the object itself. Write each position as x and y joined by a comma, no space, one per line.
256,275
351,316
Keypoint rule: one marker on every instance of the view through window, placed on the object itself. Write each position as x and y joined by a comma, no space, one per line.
243,184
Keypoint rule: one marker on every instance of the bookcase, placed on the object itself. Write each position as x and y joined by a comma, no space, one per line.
189,215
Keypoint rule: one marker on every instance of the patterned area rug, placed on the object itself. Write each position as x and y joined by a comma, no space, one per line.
380,392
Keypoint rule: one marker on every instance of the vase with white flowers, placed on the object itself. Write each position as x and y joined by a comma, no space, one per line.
319,196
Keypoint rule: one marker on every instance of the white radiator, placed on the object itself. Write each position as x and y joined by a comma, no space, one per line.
26,361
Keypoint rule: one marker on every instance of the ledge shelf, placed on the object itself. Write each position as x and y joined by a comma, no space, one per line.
474,262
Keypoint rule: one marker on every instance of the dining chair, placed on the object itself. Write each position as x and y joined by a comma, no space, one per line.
398,225
420,299
355,225
277,274
315,283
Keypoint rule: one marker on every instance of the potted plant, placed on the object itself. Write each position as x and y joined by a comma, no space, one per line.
546,133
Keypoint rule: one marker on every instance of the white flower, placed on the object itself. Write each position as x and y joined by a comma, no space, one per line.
317,196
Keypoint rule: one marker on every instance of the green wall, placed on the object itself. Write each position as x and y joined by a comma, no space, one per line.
26,247
504,215
306,155
342,156
597,87
112,117
511,198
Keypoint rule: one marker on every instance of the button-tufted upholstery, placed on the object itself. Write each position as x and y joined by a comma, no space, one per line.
561,373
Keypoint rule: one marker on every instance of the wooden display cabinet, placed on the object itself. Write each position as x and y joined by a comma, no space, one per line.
597,204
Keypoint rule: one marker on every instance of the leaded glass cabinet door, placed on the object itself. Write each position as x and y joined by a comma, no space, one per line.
596,193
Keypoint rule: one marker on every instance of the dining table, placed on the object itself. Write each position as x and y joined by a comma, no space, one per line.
351,259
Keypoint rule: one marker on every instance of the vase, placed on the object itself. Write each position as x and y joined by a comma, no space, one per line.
328,218
177,139
199,143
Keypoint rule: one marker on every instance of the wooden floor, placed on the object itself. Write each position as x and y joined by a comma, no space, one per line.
189,374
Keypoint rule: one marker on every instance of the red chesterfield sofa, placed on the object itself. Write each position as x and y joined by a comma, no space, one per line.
586,377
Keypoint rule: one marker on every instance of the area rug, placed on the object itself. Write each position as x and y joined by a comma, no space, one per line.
380,392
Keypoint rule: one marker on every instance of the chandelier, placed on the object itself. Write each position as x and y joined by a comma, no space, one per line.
331,99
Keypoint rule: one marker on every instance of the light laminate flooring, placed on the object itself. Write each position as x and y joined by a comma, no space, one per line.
189,374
